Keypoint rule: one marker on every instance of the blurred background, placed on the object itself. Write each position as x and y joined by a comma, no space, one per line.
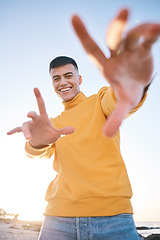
33,32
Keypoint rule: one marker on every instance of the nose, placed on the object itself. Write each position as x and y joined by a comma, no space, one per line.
63,81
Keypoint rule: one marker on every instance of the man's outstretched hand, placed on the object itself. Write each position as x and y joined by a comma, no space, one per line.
39,131
130,66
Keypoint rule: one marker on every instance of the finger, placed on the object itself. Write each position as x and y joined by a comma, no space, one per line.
88,43
152,37
26,131
32,115
116,29
40,102
15,130
66,130
150,41
113,123
145,34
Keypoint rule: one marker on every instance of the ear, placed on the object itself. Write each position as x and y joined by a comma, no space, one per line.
80,80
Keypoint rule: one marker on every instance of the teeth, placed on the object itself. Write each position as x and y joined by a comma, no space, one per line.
64,89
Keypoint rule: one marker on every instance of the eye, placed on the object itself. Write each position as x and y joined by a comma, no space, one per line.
56,79
68,76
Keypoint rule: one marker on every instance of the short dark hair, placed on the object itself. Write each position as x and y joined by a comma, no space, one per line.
61,61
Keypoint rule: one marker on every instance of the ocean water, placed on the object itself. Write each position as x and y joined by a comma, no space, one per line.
151,225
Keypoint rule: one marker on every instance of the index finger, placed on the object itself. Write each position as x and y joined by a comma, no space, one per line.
88,43
40,102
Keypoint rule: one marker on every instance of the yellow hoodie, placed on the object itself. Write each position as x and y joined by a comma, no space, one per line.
91,175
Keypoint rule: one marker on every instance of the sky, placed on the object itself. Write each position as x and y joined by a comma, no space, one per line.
33,32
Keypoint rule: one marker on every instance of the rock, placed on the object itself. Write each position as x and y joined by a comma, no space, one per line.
146,228
141,237
153,237
142,228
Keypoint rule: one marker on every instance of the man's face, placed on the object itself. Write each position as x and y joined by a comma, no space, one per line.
66,81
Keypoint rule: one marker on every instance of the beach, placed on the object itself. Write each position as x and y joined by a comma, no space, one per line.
19,230
149,230
29,230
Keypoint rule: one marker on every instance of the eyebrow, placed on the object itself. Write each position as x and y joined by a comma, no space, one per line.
55,76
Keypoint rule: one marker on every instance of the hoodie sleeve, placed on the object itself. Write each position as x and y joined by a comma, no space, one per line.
108,101
45,152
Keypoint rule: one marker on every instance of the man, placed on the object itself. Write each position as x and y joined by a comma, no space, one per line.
90,196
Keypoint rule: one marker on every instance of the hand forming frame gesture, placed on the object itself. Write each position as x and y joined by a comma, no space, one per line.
39,131
130,66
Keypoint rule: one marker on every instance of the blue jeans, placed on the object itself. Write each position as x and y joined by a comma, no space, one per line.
119,227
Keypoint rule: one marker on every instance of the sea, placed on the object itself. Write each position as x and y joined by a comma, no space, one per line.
153,228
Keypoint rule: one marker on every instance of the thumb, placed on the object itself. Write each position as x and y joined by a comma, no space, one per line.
115,119
66,130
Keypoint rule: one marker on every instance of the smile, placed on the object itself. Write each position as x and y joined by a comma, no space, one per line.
65,89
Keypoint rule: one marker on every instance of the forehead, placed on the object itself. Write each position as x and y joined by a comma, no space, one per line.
63,69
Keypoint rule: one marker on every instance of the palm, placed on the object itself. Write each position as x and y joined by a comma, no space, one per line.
130,66
131,75
39,131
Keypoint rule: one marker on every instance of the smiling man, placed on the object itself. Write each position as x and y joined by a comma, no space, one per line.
66,78
90,196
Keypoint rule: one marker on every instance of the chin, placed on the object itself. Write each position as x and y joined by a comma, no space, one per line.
67,99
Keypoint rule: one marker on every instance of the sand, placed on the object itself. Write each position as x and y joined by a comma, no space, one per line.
29,230
19,230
